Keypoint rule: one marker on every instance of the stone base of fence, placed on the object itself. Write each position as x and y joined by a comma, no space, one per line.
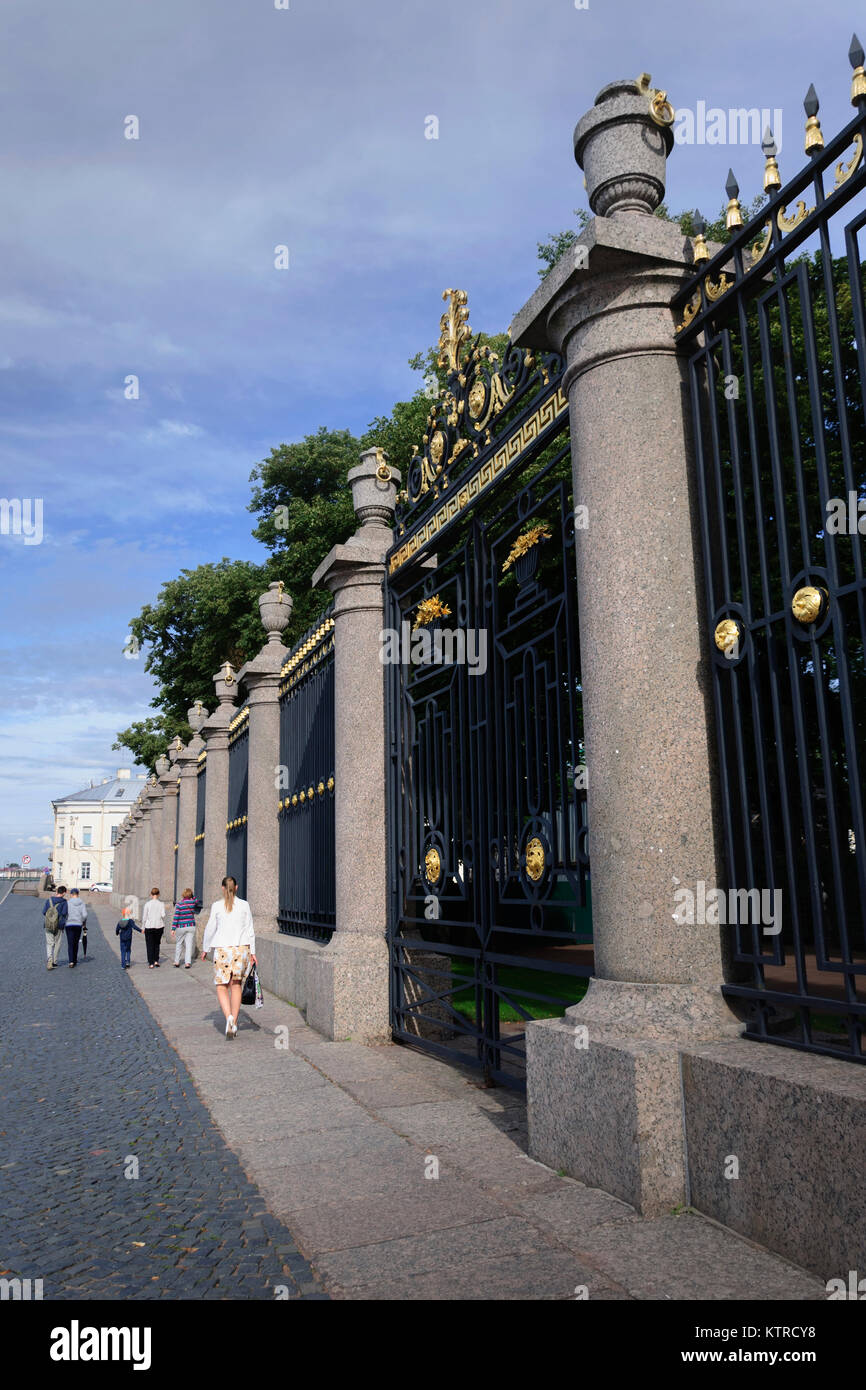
622,1040
341,988
766,1140
796,1123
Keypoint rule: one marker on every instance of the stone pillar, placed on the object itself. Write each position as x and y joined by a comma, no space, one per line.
606,307
132,867
119,853
151,832
187,765
216,733
164,852
157,797
348,978
262,680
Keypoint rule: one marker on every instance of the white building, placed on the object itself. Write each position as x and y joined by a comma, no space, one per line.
85,829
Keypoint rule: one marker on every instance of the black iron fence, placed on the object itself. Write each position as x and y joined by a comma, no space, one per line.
775,329
236,826
489,869
307,897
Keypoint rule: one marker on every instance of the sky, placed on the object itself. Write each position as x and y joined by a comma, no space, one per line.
305,127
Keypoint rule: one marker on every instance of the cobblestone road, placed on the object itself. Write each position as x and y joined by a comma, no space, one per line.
87,1085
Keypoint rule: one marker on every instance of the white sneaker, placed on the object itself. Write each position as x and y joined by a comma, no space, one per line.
230,1028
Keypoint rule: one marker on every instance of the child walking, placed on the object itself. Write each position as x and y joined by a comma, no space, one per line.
124,929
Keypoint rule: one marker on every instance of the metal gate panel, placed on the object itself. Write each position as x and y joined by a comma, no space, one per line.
775,342
489,873
236,828
308,889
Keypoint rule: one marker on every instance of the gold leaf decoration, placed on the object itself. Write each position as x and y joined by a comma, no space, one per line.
843,170
715,289
690,311
454,329
539,532
430,609
787,224
759,251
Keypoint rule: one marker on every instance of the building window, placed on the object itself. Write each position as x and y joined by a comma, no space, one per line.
111,872
85,871
87,835
114,830
62,838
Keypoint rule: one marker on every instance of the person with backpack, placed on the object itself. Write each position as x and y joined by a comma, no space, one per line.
54,915
76,917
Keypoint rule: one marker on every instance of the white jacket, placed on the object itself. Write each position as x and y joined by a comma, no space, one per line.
233,928
153,916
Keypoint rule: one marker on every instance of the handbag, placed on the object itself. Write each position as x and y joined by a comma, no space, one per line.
248,994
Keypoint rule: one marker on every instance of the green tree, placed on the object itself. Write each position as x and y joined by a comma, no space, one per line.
200,619
550,251
304,505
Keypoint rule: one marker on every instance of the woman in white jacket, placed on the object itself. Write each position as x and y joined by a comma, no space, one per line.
229,932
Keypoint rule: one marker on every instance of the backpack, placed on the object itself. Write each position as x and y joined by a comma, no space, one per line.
52,919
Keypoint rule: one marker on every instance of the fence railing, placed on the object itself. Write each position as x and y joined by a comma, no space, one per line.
775,328
236,827
307,897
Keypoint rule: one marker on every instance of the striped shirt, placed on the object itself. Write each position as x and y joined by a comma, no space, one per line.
184,915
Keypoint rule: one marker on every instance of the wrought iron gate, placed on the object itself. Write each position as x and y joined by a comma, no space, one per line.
489,893
777,359
236,828
307,897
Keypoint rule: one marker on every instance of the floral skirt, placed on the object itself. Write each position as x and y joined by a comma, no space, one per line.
230,963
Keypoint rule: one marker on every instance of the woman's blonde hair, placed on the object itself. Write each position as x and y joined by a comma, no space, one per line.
229,893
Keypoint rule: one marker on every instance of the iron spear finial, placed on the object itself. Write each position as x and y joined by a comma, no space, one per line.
701,250
856,58
733,215
772,178
814,138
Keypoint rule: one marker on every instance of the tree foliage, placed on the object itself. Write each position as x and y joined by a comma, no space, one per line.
550,251
199,620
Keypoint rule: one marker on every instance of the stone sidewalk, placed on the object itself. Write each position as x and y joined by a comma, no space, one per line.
340,1139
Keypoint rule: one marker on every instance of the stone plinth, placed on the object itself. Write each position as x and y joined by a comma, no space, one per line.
345,983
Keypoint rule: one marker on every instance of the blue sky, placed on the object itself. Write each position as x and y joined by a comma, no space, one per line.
155,257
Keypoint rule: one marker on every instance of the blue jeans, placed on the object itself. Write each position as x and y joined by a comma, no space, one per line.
125,952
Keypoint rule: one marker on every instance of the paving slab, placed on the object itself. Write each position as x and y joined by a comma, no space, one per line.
427,1206
554,1275
668,1257
334,1142
441,1251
